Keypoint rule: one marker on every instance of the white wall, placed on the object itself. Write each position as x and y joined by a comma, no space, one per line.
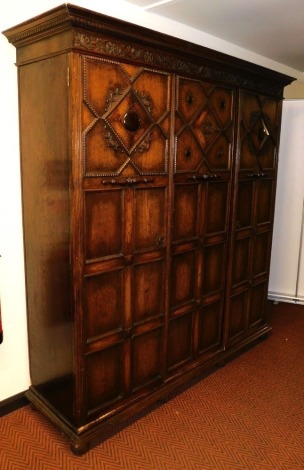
286,281
14,370
14,376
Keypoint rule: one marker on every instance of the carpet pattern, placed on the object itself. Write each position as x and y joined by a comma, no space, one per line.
248,415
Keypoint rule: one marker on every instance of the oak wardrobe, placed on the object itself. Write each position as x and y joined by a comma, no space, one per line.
148,183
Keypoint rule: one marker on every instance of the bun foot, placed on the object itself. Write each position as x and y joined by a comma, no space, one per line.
80,448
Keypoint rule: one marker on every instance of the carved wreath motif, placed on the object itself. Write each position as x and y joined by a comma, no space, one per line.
208,128
113,96
116,146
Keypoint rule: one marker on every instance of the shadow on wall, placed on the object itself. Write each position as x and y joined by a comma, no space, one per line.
294,91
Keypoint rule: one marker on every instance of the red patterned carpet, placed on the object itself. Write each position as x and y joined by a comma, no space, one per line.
246,415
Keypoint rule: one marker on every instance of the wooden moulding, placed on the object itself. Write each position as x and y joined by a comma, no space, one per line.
69,27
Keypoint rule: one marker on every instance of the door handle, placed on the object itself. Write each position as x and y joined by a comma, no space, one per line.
127,181
204,177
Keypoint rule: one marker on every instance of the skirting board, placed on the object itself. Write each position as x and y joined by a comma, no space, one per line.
276,297
13,403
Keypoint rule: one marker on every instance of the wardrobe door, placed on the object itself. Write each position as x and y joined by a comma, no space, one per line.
126,113
202,176
255,193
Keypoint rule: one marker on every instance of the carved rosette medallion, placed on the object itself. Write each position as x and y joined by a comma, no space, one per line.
120,136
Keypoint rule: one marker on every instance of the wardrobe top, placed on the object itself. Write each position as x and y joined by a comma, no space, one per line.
69,27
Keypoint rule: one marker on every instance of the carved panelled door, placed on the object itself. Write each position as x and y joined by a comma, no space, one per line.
254,210
202,174
126,116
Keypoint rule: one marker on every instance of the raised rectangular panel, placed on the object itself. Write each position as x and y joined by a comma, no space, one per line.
147,358
260,250
217,197
148,291
104,380
265,202
210,326
213,272
183,278
244,215
185,211
103,223
241,259
179,340
150,218
103,303
257,293
238,315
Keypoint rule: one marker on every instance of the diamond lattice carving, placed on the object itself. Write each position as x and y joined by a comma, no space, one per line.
126,120
121,137
203,127
188,153
206,128
260,132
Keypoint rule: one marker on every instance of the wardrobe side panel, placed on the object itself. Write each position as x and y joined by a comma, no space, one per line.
45,165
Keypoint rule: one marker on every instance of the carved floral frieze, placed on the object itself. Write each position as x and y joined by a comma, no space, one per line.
124,50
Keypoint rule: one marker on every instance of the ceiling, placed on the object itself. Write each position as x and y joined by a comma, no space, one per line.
271,28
